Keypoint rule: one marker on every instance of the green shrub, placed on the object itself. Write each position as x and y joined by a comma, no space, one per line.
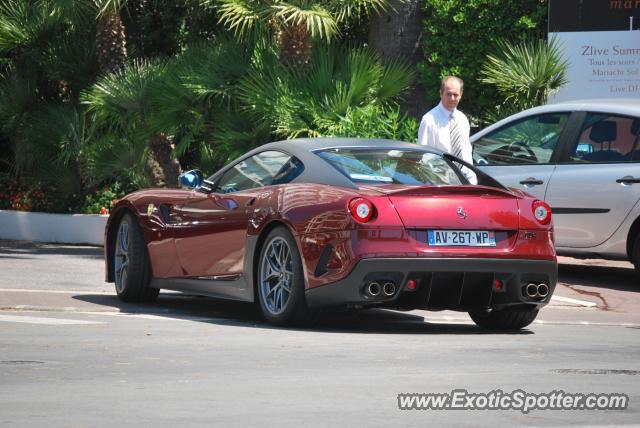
458,35
373,122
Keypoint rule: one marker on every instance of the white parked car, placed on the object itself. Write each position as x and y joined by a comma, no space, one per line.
583,159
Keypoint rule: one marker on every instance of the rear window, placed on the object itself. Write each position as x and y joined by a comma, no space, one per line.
383,166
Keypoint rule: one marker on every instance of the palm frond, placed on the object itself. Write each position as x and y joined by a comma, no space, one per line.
13,17
301,102
109,7
211,70
348,9
395,80
236,133
62,126
242,17
122,99
319,79
78,11
318,20
114,156
24,25
48,144
363,71
337,102
525,72
71,62
18,97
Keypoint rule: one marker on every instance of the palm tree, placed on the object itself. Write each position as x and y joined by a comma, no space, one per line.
120,108
168,108
524,73
46,60
306,102
293,23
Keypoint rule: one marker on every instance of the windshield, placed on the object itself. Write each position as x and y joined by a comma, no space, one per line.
384,166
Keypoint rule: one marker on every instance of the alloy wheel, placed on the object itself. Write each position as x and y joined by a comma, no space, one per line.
276,275
122,257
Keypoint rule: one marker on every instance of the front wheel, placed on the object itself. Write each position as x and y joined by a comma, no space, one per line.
131,264
503,319
280,280
635,255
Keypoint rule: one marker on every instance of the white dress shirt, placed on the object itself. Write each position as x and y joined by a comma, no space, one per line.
434,132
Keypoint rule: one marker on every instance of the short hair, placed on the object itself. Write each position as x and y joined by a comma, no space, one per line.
447,78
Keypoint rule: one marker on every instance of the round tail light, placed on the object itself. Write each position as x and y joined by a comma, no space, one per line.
361,210
542,212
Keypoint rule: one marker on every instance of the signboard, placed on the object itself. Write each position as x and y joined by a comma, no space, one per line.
600,40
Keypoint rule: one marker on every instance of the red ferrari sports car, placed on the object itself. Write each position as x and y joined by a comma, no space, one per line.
314,223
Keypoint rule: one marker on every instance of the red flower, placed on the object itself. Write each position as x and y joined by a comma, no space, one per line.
103,211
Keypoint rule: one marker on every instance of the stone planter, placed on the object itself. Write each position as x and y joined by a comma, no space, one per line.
58,228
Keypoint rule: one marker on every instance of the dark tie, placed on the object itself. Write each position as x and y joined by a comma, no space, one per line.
456,139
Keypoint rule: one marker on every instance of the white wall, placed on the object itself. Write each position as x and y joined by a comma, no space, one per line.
59,228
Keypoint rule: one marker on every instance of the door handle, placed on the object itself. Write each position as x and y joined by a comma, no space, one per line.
251,202
628,179
531,181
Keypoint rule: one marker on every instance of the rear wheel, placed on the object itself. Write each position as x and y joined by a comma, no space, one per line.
131,264
503,319
280,280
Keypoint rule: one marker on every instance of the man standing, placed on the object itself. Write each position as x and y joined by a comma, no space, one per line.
447,128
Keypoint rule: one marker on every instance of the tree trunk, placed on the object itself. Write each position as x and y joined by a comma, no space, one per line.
161,168
111,41
398,33
294,44
134,20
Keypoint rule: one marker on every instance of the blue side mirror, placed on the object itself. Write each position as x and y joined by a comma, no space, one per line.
191,179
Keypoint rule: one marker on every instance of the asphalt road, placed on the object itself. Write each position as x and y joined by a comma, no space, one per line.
72,355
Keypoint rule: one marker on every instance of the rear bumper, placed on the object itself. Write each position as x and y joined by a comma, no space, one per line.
442,283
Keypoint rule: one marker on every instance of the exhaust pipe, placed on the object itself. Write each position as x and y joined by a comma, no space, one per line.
543,290
373,289
532,290
389,288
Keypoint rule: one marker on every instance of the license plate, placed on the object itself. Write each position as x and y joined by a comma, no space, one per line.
462,238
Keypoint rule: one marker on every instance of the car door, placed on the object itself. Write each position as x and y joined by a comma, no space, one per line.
597,180
522,153
211,229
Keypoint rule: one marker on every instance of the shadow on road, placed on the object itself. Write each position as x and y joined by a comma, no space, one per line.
615,278
25,250
204,309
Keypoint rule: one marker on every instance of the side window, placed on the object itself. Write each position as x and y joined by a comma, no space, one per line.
528,141
606,138
263,169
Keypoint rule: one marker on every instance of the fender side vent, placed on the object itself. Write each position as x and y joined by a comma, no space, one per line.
321,268
164,213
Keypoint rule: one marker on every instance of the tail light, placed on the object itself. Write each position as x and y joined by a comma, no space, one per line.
361,210
542,212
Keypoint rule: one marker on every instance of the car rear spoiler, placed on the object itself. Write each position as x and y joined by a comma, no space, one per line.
428,190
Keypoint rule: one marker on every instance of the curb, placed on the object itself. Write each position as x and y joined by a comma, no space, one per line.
54,228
